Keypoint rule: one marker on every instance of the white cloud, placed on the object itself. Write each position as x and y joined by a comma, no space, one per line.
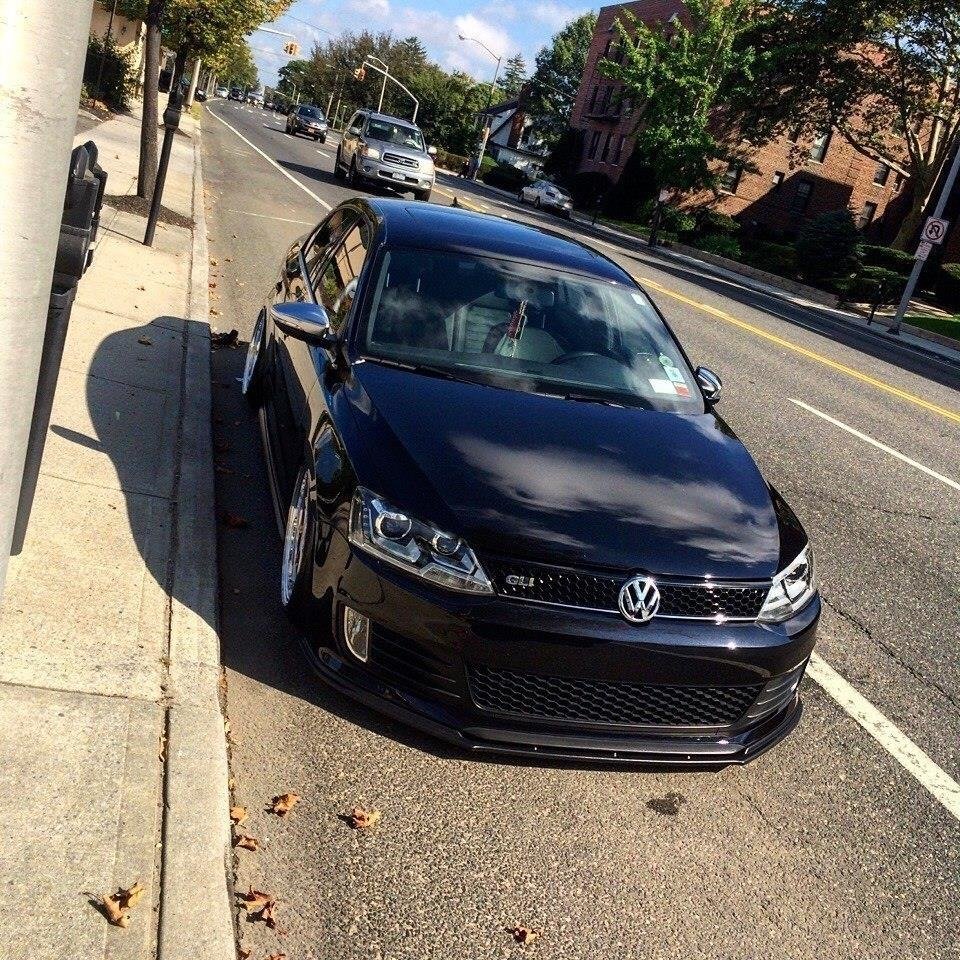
369,8
554,15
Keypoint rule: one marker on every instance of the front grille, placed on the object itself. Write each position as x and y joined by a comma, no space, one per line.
608,702
399,161
591,591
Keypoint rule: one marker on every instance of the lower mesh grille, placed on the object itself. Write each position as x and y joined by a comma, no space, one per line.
608,702
591,591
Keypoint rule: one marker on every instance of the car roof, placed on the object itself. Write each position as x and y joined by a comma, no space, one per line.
418,224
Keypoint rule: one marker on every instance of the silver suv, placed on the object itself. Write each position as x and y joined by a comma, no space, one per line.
388,151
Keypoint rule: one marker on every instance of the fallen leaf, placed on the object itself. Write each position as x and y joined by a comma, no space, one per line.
228,259
362,819
269,914
213,262
277,956
234,521
214,313
282,804
254,901
238,814
242,953
117,905
145,341
247,842
523,935
141,287
212,284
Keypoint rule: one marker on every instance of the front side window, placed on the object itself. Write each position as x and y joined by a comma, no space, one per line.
398,134
336,285
534,329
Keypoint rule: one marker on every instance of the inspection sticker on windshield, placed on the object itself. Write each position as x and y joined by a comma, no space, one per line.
662,386
674,374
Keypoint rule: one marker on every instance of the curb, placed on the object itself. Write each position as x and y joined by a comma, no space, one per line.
196,917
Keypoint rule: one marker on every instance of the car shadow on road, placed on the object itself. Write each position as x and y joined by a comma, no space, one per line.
311,173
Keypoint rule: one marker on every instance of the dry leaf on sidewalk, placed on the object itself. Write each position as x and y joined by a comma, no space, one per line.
277,956
523,935
261,905
243,953
362,819
117,905
238,815
246,841
213,262
282,804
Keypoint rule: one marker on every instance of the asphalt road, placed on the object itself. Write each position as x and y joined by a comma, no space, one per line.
827,847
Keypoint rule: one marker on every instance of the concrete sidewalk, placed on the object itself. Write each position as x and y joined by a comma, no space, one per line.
112,740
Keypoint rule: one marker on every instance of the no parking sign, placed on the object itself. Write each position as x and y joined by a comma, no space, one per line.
935,230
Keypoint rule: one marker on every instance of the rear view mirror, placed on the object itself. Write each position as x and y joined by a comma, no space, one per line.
709,383
304,321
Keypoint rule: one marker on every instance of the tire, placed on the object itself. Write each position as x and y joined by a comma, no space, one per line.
316,137
537,203
520,198
423,195
296,574
252,381
322,138
353,178
337,168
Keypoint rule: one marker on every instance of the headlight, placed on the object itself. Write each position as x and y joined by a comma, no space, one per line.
792,589
371,153
419,548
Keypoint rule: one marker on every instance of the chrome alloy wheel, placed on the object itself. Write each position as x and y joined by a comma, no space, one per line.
253,354
294,540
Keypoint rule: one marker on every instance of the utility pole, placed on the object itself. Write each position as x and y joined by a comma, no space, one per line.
45,44
919,263
488,120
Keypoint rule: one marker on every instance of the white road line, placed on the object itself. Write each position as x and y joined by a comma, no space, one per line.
936,781
267,216
877,444
324,154
270,160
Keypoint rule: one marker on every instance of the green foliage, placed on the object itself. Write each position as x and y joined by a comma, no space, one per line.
713,221
778,258
200,28
721,244
948,285
118,80
827,246
557,74
633,192
889,258
233,63
561,163
672,218
589,188
514,76
505,176
675,74
875,286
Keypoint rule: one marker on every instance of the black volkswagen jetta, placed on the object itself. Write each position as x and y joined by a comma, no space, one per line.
511,515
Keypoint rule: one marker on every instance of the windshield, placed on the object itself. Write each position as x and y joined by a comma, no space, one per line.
312,113
395,133
534,329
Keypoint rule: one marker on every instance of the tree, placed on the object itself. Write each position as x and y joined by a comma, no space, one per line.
828,245
514,77
557,74
883,74
448,106
234,64
674,76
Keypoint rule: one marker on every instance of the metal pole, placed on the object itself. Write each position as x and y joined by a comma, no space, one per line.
919,264
103,52
45,44
383,89
489,121
171,120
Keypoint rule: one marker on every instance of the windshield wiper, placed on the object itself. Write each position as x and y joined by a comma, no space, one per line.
424,368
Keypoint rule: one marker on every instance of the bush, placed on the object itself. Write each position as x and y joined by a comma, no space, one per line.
899,261
505,176
828,246
116,85
875,286
713,222
633,193
779,258
721,244
451,161
948,285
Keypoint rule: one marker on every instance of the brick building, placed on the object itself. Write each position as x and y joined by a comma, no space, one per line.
792,180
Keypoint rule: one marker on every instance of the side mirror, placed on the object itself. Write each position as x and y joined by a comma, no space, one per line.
432,151
305,321
354,131
709,384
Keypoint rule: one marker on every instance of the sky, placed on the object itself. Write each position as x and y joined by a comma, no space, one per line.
505,27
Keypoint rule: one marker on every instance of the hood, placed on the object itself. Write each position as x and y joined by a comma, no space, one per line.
568,482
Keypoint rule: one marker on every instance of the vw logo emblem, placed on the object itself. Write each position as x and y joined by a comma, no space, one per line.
639,599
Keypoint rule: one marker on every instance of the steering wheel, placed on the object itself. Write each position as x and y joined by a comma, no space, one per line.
575,355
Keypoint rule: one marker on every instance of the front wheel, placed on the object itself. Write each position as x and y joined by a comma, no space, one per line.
251,384
337,167
353,178
520,197
424,195
295,565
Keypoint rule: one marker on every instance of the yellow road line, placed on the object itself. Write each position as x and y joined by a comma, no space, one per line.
460,200
796,348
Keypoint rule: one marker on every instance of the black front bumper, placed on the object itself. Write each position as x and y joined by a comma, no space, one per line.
428,646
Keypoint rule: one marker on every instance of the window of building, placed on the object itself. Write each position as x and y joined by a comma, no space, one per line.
778,178
801,199
881,175
731,177
593,98
594,140
819,147
899,182
618,152
867,214
606,149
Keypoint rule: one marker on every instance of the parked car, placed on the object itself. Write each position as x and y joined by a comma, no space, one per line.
255,98
545,194
236,94
200,95
222,92
513,517
309,120
376,148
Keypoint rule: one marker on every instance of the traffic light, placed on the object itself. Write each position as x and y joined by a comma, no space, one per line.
291,49
359,74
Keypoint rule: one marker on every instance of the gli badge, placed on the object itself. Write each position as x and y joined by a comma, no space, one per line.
639,599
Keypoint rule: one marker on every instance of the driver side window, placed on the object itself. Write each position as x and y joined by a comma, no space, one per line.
336,284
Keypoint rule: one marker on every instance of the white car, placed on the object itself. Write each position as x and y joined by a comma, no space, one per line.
543,193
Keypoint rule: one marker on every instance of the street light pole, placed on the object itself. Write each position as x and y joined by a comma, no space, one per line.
487,121
44,43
